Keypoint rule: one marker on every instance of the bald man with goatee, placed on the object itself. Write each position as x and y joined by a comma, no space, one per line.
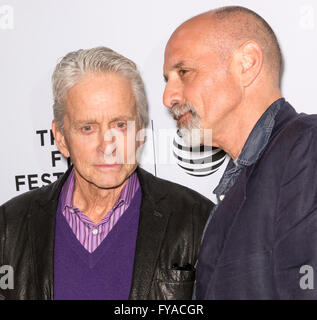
222,70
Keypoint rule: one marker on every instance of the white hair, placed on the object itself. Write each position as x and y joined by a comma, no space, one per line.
79,63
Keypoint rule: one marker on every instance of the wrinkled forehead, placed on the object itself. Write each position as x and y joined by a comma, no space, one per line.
101,95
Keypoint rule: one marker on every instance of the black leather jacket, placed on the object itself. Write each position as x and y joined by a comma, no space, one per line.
172,219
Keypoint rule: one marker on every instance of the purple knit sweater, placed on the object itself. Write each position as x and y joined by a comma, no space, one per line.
106,273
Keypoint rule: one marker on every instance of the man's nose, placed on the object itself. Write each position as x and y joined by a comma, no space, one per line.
106,143
172,94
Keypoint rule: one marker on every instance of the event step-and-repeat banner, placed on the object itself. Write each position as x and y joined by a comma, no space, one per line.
35,34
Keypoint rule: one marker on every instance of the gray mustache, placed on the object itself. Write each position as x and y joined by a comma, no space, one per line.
179,110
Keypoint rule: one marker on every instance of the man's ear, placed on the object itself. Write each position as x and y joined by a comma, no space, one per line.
60,140
250,60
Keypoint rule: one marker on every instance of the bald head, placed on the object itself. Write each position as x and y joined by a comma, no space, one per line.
225,64
225,29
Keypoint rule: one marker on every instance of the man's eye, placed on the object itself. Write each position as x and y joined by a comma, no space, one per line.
182,72
86,128
121,125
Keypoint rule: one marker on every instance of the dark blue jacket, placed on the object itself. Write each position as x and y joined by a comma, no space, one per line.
265,229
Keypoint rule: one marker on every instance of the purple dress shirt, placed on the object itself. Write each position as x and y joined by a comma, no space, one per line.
89,234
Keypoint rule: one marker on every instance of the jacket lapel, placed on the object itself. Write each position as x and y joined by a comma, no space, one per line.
218,231
42,216
153,222
42,229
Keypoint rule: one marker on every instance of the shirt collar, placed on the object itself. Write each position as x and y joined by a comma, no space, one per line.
252,149
259,136
125,198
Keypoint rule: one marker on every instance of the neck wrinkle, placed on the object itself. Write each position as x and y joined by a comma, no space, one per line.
93,202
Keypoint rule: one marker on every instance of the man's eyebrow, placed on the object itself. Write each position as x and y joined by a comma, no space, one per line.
122,118
177,65
88,121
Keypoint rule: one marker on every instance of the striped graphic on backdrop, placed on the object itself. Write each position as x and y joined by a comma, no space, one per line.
197,161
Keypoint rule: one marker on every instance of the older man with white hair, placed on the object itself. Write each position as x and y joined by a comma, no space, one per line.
106,229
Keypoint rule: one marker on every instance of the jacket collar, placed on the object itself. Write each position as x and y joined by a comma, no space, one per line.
285,115
51,192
